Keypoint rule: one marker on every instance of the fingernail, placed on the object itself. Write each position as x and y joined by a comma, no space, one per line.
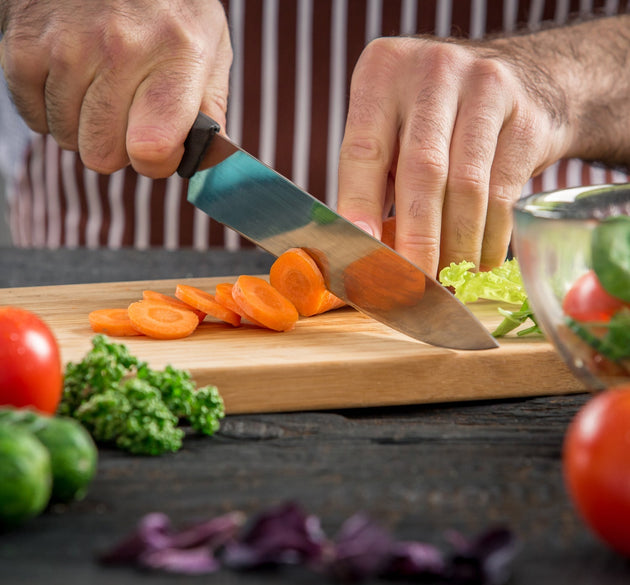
364,226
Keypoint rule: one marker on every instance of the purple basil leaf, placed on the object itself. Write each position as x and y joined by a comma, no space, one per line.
362,550
152,533
485,560
415,559
212,533
282,535
190,561
156,544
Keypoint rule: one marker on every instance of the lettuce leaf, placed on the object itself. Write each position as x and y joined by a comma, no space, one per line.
503,283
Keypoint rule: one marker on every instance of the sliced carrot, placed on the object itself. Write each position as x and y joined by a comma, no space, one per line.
296,275
204,301
152,295
160,320
261,301
330,302
113,322
388,235
223,295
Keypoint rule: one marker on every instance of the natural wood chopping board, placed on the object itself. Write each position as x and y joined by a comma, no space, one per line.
340,359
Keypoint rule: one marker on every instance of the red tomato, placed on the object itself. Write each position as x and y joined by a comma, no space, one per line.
597,466
30,363
587,300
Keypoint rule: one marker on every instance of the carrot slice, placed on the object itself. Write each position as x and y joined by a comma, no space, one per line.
223,295
113,322
296,275
261,301
152,295
204,301
162,321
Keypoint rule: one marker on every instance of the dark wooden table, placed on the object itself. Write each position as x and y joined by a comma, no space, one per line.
420,470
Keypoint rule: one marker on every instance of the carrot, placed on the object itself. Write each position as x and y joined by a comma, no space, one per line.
151,295
204,301
386,291
262,302
113,322
388,235
330,302
160,320
223,295
296,275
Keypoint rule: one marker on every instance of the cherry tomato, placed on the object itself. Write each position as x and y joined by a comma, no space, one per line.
597,466
587,300
30,363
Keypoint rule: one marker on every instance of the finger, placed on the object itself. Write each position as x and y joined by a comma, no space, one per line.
70,75
103,121
479,120
215,96
423,169
514,163
368,145
168,101
25,71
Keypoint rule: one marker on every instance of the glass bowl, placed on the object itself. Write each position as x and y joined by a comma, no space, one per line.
570,243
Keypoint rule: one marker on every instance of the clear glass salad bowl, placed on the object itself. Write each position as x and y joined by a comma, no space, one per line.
573,248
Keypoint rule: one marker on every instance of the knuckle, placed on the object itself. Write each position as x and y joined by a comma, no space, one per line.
425,167
103,155
491,74
441,59
419,245
469,178
366,149
503,196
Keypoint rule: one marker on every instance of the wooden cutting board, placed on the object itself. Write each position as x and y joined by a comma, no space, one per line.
341,359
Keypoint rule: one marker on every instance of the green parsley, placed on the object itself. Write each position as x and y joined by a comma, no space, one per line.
123,402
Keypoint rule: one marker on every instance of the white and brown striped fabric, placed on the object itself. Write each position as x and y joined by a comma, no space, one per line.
289,88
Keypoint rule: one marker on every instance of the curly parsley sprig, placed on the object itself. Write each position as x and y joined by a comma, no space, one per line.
123,402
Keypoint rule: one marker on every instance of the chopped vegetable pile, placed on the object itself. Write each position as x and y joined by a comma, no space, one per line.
503,283
123,402
285,535
296,287
597,306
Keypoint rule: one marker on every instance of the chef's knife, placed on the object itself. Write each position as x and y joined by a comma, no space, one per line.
238,190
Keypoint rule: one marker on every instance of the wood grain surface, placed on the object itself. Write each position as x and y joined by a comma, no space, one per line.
341,359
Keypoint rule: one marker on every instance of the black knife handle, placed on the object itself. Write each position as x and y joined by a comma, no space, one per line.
196,144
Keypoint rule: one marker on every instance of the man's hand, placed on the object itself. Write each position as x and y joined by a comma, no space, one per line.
450,132
120,81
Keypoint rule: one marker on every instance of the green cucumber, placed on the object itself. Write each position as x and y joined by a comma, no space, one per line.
25,476
73,454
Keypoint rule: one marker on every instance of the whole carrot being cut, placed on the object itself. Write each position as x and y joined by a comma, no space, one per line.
296,275
112,322
204,301
261,302
162,321
388,235
152,295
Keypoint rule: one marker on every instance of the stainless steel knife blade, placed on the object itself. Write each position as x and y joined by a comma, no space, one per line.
240,191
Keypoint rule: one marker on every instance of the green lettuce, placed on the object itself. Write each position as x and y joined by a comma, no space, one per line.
503,284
